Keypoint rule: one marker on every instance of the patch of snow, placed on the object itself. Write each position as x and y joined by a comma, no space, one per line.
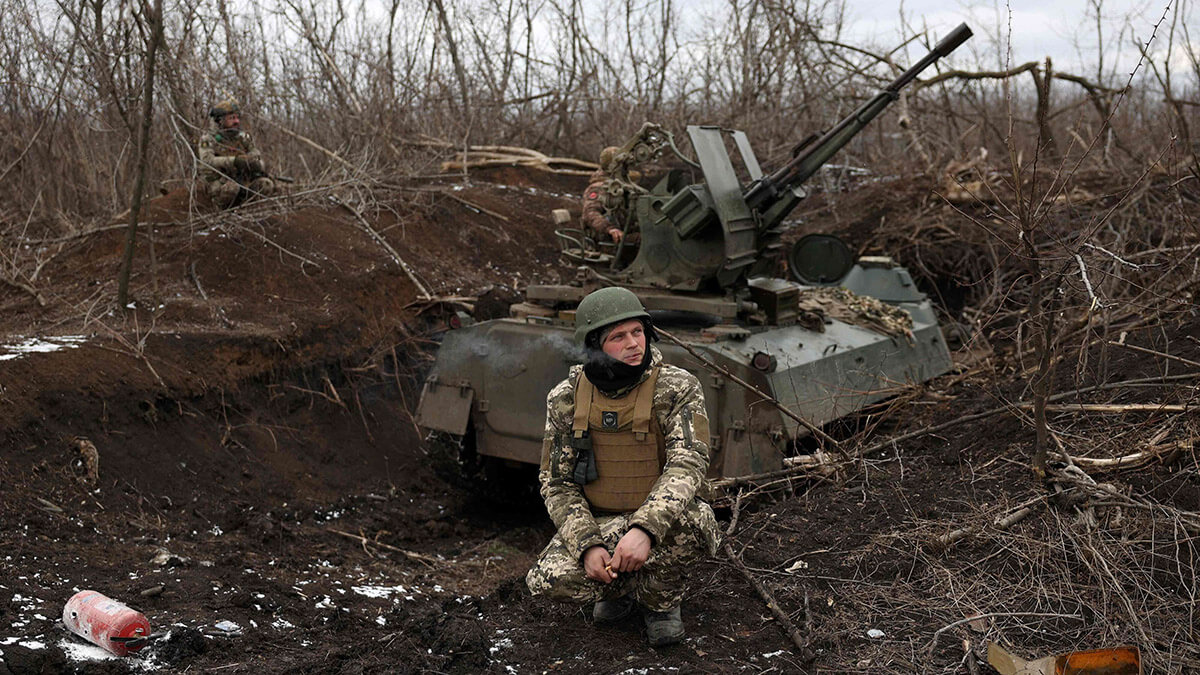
500,644
40,346
378,591
875,633
227,626
84,651
381,620
282,624
771,655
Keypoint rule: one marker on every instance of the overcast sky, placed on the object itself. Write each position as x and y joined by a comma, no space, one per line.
1064,30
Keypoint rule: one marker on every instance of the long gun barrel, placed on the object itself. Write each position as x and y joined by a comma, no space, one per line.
762,192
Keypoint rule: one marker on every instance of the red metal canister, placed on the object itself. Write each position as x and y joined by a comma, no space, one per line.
106,623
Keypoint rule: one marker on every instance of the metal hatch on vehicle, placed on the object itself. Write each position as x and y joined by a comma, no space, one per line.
445,406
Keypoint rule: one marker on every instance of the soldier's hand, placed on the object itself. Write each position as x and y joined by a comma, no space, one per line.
241,163
632,551
615,234
597,564
257,165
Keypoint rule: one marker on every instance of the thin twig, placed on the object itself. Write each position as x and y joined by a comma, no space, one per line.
969,619
772,604
412,276
419,557
1155,353
1111,407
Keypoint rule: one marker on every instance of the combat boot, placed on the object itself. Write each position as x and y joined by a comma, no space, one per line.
663,628
611,611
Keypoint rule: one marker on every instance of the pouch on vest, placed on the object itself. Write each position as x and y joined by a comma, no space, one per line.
585,460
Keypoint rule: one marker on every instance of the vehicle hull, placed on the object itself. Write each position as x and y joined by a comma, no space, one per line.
491,380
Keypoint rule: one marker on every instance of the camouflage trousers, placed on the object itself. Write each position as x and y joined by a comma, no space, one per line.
660,583
226,192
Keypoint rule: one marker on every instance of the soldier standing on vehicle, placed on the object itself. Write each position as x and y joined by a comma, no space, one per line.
624,455
231,168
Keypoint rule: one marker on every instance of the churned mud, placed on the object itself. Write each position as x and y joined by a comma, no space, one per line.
263,495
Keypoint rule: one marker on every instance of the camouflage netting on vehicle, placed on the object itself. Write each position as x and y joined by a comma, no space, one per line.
859,310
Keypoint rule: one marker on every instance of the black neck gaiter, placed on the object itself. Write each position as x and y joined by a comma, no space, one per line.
610,375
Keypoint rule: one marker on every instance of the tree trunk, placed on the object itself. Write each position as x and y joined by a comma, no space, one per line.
155,24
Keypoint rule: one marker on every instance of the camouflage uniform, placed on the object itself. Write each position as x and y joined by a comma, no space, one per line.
598,218
857,310
593,212
225,184
682,527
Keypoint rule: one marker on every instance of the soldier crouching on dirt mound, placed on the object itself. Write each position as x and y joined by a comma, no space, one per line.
231,168
625,452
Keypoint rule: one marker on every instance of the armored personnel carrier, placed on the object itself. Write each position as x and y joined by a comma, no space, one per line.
839,335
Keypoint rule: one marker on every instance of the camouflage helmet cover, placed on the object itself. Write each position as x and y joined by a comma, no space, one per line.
605,307
223,108
607,156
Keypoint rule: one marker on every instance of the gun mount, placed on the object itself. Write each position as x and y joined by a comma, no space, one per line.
822,352
718,233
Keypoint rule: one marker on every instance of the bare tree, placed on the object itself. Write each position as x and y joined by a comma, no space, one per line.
152,21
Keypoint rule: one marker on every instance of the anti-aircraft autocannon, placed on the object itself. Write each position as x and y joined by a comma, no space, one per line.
719,232
847,334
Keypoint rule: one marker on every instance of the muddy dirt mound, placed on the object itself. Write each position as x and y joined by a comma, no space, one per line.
255,483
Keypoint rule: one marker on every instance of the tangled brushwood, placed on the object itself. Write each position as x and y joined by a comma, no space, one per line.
237,442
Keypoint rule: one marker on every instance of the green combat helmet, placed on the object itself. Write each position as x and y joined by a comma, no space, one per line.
605,307
223,108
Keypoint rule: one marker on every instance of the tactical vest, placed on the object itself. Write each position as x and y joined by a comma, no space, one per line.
626,440
224,144
228,146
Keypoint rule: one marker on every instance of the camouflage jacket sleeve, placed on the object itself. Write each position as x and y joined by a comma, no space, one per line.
565,502
592,213
679,403
210,159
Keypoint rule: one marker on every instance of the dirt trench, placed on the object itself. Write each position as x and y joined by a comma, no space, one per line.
263,494
248,418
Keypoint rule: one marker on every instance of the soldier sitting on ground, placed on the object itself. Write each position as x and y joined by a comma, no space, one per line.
231,168
624,454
